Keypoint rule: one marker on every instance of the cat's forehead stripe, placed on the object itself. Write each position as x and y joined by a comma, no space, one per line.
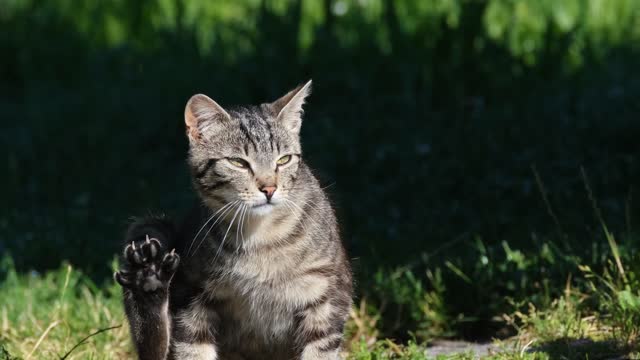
248,134
257,130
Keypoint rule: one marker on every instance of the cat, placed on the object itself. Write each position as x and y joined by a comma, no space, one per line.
258,270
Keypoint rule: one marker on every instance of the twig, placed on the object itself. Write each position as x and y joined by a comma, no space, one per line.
87,338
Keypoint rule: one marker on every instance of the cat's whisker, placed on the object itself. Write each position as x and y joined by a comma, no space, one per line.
302,187
328,186
226,233
306,202
298,215
243,216
239,226
317,213
203,226
312,205
302,211
238,223
291,210
222,215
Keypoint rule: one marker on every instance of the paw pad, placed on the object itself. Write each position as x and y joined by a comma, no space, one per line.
147,266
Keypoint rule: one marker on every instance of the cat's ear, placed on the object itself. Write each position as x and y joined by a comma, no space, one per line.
289,107
201,115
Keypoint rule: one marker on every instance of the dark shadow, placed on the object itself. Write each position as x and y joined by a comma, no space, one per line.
587,349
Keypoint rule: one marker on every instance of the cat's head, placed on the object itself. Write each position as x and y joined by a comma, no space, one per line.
247,155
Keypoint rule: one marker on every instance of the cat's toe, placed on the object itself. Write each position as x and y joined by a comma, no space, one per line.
170,263
133,254
146,267
123,278
150,248
142,253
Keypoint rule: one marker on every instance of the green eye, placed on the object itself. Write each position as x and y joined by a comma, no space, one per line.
283,160
238,162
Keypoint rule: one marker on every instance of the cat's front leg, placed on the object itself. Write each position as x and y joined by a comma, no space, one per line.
322,346
194,333
193,351
320,329
145,275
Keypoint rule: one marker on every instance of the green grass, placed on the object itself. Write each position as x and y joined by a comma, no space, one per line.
43,316
64,314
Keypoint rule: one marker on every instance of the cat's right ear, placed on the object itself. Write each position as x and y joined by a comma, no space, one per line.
202,114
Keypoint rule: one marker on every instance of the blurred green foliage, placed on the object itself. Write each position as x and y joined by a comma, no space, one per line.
527,28
426,121
524,27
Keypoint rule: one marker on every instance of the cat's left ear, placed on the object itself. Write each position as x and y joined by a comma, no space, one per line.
289,107
203,114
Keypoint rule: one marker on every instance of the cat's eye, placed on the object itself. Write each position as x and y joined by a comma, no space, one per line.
237,162
283,160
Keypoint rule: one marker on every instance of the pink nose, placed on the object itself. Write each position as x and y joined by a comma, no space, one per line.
268,191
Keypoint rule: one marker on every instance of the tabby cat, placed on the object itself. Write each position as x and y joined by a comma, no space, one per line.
258,271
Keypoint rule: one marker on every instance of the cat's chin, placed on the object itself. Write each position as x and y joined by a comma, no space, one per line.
262,210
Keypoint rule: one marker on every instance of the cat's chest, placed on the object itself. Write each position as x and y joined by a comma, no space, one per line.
263,278
255,301
267,284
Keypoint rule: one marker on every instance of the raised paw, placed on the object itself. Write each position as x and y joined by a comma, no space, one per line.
147,267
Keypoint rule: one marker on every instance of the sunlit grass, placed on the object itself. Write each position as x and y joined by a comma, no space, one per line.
63,315
43,316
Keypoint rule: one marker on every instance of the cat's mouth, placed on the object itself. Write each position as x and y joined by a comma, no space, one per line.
264,204
262,208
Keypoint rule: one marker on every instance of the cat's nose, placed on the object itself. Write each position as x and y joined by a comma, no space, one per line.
268,191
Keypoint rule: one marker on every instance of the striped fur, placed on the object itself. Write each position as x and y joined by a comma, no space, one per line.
262,275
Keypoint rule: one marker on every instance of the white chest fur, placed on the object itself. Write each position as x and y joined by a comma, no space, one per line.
263,292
